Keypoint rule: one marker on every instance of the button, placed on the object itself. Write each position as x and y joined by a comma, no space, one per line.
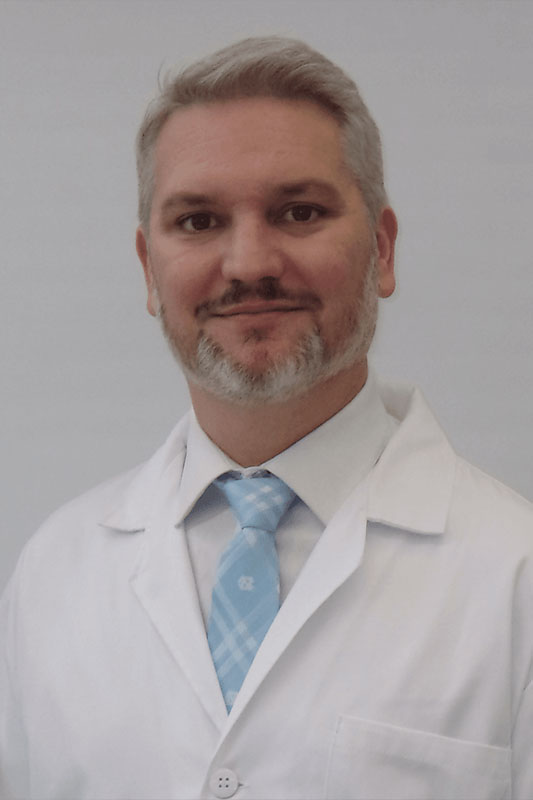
223,782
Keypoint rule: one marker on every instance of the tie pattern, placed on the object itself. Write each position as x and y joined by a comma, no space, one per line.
246,593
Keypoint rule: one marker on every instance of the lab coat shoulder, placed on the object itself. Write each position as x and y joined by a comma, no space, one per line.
93,534
124,502
77,521
422,484
492,512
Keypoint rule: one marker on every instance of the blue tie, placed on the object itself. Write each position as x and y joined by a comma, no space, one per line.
246,593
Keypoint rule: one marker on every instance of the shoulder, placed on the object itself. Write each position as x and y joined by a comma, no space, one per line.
489,509
421,484
88,524
71,540
89,508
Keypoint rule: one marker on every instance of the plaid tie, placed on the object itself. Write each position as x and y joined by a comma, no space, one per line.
246,593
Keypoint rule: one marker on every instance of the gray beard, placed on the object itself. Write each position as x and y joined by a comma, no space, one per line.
310,362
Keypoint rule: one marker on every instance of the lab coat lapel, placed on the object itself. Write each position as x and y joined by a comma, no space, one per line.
163,581
164,584
335,557
165,587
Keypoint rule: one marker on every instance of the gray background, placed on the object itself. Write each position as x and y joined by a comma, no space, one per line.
89,388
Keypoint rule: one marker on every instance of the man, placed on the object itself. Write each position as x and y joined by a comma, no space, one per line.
363,628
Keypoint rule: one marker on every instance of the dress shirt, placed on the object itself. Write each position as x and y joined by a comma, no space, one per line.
210,523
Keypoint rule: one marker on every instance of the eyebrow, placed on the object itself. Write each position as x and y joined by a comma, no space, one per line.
302,187
185,199
194,199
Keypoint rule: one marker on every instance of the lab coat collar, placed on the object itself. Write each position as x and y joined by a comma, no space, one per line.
409,488
135,508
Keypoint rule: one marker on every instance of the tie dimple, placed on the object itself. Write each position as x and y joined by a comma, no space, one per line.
257,502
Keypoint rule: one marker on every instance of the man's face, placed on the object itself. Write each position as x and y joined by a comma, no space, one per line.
260,256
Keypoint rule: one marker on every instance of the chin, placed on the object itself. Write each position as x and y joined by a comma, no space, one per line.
266,377
278,381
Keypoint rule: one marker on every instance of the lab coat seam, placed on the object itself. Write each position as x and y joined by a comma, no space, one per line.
391,727
331,752
403,528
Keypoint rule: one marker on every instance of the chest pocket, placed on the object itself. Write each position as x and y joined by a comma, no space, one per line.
375,761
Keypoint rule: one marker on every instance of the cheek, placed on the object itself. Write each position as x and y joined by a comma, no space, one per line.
183,284
335,271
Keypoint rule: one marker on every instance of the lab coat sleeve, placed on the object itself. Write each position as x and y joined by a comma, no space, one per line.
13,755
523,748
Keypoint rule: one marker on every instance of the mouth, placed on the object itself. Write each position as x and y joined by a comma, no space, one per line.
253,309
242,301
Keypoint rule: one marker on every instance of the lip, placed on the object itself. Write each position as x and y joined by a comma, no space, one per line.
251,309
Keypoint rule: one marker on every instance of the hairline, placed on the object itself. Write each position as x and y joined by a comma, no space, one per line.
209,81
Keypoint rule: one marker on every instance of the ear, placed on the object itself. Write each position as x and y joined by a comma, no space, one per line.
141,244
386,231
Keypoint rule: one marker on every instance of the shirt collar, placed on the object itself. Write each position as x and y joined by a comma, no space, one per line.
344,448
204,462
325,466
410,487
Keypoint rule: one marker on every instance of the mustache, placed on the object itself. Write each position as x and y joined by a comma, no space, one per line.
266,288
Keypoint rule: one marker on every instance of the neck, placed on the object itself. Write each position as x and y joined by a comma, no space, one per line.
240,430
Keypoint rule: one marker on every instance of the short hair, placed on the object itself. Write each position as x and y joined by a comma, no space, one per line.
271,66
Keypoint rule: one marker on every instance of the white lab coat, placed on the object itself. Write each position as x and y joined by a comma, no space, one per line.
399,665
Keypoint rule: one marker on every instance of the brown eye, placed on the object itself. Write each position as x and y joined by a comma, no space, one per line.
195,223
301,213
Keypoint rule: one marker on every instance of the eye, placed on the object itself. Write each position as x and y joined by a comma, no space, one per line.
196,223
302,213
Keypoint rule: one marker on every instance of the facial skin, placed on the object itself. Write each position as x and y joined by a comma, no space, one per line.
260,251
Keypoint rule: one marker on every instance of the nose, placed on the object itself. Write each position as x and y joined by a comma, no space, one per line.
252,251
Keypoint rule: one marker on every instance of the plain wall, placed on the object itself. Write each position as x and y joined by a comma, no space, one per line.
89,388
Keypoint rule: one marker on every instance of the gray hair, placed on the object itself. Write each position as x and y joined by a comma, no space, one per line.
270,66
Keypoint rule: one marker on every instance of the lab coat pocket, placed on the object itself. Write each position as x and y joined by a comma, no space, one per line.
376,761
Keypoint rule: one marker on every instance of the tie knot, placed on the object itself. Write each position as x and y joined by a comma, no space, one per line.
258,502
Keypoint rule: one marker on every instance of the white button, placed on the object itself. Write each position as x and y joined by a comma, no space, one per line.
223,782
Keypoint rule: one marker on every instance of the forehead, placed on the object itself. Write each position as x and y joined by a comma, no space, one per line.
254,140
